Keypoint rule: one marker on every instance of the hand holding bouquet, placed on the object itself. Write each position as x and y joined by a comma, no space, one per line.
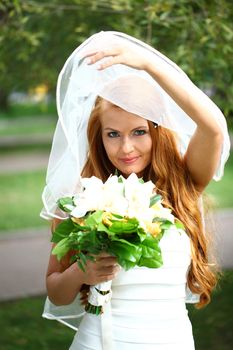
122,217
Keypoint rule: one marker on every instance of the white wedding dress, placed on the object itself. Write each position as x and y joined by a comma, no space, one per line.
147,310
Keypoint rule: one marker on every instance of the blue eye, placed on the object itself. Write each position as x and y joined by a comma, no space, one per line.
113,134
139,132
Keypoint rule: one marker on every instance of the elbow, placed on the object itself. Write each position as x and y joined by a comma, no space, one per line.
60,300
58,293
219,139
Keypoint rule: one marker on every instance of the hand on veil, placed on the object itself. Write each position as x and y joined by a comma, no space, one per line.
120,54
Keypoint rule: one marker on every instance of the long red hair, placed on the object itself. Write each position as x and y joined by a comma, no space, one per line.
172,179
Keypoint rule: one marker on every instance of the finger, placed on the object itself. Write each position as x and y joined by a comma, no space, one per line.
110,62
98,55
106,270
110,261
107,278
102,53
103,255
89,53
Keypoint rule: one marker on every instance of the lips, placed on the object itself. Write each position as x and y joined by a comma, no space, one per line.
129,160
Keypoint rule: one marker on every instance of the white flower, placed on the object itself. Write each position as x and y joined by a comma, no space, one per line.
162,212
128,197
138,195
113,199
90,198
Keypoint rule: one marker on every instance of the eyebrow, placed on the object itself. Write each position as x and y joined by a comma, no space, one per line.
138,127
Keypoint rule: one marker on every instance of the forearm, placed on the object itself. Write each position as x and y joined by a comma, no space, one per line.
191,99
63,287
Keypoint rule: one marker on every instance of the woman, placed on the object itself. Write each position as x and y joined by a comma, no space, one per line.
131,129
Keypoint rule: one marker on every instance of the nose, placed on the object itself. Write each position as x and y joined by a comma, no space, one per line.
127,145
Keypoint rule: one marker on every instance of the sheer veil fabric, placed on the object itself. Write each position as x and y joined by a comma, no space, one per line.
133,90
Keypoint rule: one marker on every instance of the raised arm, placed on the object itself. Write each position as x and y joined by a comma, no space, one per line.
204,150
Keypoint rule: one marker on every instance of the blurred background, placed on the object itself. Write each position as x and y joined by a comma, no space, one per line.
36,37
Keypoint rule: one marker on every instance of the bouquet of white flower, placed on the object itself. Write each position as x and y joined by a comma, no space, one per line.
123,217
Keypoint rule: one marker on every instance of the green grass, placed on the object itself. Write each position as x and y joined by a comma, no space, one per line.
19,110
27,126
221,192
20,200
212,326
25,149
23,328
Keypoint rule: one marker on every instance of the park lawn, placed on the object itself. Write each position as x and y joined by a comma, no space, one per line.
29,110
221,191
27,126
23,328
212,325
20,200
25,149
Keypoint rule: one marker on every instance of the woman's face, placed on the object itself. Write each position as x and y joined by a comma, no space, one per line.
126,138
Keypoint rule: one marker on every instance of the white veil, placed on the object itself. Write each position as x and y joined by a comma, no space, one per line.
133,90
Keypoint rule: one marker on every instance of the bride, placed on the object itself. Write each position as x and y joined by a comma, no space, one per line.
123,105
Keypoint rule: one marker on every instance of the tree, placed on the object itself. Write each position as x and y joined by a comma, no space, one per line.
37,36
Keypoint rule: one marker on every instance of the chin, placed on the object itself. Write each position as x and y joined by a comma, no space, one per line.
127,172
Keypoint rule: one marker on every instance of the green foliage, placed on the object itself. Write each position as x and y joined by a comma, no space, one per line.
155,199
20,200
21,203
22,326
220,193
212,325
37,36
17,111
66,204
122,237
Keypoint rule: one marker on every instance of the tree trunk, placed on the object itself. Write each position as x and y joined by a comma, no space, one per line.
4,105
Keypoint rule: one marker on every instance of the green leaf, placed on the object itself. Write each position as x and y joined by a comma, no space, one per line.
83,258
120,179
131,225
65,204
125,250
154,199
94,219
126,264
179,224
117,216
61,249
102,228
159,219
62,230
73,258
80,265
150,263
92,242
90,257
151,253
166,225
